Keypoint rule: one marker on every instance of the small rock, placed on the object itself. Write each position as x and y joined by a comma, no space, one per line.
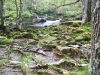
68,38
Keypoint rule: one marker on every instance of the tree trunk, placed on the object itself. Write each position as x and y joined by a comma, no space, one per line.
16,8
2,15
20,14
19,19
86,11
94,68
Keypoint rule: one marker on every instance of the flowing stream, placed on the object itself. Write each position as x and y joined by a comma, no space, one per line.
44,24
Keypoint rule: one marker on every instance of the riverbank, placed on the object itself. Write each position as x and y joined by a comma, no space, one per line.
58,49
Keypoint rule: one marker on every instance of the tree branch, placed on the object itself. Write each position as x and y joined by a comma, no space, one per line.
68,4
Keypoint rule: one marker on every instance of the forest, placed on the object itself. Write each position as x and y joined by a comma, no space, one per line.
49,37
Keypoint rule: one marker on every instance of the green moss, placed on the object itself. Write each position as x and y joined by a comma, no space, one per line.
81,70
87,36
5,40
73,42
62,42
79,38
2,62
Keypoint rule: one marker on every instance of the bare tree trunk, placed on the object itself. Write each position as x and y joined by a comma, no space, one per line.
2,15
86,11
94,68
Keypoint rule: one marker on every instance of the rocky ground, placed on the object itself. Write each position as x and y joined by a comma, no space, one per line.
55,50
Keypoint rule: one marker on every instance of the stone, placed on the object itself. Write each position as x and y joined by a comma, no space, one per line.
68,38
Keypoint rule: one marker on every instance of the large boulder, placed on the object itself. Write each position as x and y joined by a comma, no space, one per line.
42,20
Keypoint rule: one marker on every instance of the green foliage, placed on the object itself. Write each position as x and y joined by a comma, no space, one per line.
44,8
26,14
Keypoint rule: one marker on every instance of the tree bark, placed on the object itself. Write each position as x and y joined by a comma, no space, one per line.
86,11
94,68
19,19
16,8
2,15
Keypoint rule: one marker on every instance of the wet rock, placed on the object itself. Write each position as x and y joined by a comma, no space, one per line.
35,20
42,20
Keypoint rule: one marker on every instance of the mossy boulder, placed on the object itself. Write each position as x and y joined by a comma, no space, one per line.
35,20
84,37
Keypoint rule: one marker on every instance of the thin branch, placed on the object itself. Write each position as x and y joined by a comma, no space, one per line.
68,4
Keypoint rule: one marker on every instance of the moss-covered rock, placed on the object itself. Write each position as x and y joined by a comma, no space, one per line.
87,36
78,30
70,51
72,23
79,38
17,35
5,40
73,42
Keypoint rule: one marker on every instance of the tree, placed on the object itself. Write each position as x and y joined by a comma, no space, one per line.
19,14
94,68
2,15
86,11
16,4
